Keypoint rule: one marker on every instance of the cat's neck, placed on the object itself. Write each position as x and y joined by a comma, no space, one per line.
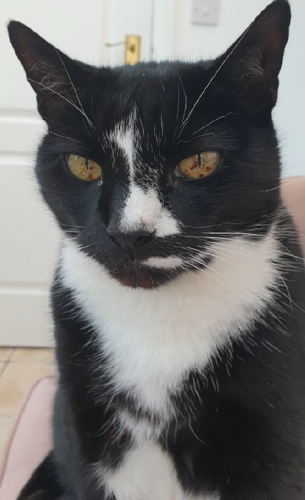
155,337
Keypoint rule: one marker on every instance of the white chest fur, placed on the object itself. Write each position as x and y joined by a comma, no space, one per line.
153,338
147,473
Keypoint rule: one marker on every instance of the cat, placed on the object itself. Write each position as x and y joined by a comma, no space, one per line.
178,301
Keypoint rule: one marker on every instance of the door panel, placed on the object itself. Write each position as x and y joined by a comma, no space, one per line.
29,245
25,316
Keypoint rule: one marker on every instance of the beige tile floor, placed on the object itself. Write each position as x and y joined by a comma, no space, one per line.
19,368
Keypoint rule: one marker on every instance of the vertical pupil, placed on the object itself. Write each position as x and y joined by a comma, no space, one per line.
199,159
87,164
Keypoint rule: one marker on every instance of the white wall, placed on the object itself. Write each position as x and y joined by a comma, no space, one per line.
176,37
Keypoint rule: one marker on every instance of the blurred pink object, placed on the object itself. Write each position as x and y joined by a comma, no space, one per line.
293,194
29,440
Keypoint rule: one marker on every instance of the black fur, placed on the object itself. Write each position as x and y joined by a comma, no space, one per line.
45,474
244,435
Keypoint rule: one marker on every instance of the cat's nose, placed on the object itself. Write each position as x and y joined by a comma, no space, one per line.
129,241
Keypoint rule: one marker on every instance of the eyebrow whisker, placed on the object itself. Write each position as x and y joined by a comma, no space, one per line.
185,122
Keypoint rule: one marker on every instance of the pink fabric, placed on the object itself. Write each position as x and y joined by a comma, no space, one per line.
293,194
30,439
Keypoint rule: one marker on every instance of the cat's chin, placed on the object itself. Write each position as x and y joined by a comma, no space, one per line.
143,277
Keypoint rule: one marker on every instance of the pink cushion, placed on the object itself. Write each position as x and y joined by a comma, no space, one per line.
293,194
30,439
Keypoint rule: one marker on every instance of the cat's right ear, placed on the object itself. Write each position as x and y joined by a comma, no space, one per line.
48,70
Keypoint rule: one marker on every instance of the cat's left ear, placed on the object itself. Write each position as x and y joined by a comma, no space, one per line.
53,75
252,64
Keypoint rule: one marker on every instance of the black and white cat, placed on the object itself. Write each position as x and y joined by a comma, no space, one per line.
178,299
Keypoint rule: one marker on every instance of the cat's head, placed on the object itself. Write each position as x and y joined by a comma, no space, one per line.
146,167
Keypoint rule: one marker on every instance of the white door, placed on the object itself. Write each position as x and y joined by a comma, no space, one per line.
29,238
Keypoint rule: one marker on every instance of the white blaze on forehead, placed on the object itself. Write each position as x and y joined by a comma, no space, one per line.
125,140
125,136
143,209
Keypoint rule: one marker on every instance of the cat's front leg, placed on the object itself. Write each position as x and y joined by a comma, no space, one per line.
214,460
86,445
273,492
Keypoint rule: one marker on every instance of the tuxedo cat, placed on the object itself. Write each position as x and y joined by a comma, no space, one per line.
178,301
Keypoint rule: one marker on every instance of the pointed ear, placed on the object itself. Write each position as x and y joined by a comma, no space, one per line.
52,74
254,61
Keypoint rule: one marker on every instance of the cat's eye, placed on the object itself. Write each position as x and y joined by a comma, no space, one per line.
198,166
83,168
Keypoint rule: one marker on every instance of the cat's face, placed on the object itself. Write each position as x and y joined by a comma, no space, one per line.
137,207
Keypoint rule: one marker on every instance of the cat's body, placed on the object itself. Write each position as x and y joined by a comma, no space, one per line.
178,305
168,399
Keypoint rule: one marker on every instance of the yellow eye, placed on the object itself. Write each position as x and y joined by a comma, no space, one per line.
199,166
83,169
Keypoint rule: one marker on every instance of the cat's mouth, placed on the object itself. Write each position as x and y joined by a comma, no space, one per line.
136,275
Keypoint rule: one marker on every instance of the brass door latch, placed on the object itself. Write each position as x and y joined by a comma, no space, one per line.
132,48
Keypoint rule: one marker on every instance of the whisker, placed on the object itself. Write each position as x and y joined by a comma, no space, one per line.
215,120
56,93
69,138
184,122
75,91
185,107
